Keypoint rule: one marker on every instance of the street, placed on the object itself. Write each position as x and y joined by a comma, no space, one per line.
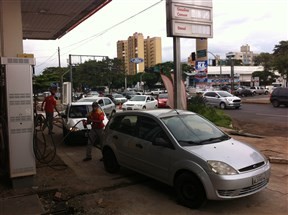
261,119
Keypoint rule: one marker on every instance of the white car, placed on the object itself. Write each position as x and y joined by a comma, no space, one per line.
106,104
74,131
139,102
119,99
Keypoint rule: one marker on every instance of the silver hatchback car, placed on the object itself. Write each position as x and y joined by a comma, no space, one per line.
186,151
222,99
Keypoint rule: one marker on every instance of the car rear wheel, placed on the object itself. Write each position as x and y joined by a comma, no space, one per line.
190,191
110,162
222,105
275,103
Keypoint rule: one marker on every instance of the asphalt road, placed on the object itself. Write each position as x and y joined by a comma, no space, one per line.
261,119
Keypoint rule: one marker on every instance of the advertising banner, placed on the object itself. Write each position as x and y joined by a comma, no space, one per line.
201,69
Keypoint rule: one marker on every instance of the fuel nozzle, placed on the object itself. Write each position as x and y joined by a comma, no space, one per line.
84,123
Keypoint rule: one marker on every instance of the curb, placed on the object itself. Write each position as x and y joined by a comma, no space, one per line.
278,160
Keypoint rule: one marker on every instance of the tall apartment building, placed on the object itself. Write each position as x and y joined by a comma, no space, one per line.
245,55
136,46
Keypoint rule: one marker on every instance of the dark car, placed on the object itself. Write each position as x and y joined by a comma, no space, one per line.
279,96
243,92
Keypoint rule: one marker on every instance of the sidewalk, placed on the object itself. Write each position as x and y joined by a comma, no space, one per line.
255,100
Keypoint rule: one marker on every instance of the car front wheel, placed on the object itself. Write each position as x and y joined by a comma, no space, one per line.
222,105
275,103
190,191
110,162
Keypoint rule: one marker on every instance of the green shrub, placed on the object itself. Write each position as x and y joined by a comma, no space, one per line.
197,104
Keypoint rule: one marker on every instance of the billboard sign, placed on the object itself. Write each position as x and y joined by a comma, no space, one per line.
201,68
192,19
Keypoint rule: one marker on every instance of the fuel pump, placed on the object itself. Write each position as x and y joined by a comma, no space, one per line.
16,117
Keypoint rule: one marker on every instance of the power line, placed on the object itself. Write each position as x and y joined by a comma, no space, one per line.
101,33
106,30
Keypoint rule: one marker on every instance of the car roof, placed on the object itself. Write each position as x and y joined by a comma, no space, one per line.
95,98
158,113
216,91
80,103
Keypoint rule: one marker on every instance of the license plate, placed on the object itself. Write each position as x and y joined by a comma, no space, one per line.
258,179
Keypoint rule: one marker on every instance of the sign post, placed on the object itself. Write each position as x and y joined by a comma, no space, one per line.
190,19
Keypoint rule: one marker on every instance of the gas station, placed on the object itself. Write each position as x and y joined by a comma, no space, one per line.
19,20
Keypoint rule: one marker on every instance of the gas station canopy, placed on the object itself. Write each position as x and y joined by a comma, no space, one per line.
52,19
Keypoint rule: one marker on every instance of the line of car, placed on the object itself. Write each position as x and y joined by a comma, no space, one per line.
176,147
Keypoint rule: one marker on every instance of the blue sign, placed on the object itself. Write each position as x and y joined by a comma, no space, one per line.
201,71
137,60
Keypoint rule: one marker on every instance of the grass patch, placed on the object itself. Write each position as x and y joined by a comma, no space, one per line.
217,116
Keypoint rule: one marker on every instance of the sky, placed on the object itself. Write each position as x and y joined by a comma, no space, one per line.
261,24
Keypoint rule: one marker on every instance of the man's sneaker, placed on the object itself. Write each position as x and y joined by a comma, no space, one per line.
87,159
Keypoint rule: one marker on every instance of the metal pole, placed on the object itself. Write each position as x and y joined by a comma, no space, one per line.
220,70
177,73
232,75
71,78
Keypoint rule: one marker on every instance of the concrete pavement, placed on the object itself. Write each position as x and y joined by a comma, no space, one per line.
90,181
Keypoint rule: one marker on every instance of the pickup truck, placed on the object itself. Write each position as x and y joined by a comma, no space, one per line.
259,90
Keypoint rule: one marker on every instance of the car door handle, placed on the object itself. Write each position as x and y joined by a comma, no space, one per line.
115,137
139,146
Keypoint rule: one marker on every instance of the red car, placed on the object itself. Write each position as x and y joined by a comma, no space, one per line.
162,100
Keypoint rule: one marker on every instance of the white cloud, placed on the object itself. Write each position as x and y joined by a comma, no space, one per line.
260,23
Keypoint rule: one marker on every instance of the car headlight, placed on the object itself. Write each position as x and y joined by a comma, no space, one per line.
221,168
229,100
73,129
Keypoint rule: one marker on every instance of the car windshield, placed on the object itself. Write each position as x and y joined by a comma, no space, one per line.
163,96
193,130
225,94
87,100
118,96
78,111
138,98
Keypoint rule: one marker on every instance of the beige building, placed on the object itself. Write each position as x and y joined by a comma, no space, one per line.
245,55
136,46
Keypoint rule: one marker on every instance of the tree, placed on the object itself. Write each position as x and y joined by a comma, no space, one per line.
265,60
281,59
266,77
49,76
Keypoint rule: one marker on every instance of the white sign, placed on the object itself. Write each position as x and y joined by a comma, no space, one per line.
189,18
137,60
185,29
191,13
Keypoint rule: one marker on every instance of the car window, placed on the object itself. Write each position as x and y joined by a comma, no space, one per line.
283,92
101,102
124,124
225,94
138,98
210,94
79,111
193,129
107,101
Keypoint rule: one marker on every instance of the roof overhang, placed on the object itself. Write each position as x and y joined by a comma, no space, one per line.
52,19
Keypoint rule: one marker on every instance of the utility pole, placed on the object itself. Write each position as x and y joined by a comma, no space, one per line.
59,62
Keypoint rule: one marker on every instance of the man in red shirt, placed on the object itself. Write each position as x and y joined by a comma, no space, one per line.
49,105
95,117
